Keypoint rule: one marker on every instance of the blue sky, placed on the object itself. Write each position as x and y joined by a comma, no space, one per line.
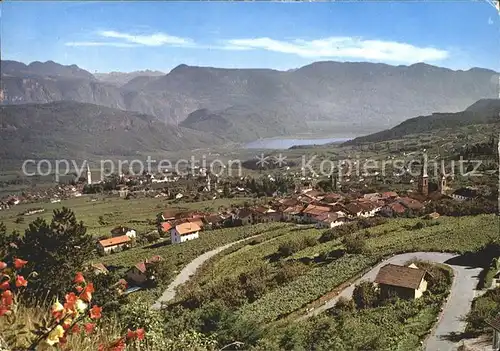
127,36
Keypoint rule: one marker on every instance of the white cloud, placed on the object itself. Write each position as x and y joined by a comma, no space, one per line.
344,47
156,39
99,43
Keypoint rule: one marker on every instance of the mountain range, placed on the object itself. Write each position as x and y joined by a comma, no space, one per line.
246,104
74,130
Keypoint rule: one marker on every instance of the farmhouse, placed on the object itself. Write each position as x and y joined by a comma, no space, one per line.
246,216
107,246
184,232
403,282
293,214
313,210
329,220
138,274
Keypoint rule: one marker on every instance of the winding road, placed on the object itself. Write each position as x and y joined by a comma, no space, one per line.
189,270
458,303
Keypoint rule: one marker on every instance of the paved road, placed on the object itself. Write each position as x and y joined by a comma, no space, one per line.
458,304
189,270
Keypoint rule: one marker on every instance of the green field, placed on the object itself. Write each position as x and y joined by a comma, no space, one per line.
139,214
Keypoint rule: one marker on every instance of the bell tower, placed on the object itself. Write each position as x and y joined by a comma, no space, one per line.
423,181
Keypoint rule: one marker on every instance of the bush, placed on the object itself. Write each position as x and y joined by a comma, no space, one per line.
366,295
354,244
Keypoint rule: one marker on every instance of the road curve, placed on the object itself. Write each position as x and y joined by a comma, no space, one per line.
190,269
458,304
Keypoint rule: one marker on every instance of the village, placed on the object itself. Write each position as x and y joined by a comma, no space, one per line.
306,207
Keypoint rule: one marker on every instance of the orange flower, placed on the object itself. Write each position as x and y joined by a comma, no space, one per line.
95,312
79,279
20,281
18,263
7,298
140,333
79,289
89,327
71,299
87,292
5,285
3,265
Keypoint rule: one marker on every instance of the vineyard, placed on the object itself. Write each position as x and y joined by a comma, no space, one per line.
321,276
306,288
452,234
252,255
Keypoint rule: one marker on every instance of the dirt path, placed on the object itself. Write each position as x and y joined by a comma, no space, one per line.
186,273
458,304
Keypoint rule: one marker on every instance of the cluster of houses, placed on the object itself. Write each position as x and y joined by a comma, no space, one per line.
52,195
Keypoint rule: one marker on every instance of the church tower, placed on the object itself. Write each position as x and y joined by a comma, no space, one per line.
442,180
423,181
89,175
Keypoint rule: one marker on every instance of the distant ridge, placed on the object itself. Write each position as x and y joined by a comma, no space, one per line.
482,111
241,104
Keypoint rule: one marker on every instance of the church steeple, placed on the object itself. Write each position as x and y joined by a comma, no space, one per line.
423,181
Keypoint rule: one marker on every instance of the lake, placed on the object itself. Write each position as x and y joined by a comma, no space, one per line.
285,143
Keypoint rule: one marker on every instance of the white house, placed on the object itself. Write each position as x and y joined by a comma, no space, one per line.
184,232
107,246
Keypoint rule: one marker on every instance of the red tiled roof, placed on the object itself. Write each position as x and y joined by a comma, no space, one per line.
166,226
114,241
142,266
187,228
411,203
294,209
316,210
397,207
400,276
353,208
390,194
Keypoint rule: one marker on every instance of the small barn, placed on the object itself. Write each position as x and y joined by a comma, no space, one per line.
403,282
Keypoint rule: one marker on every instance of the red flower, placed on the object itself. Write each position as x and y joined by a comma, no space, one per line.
18,263
89,327
140,333
95,312
3,310
79,288
118,345
7,298
131,334
75,329
79,279
87,292
3,265
71,299
5,285
20,281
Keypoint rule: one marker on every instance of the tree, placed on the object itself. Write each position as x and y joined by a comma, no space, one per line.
366,295
55,251
9,243
354,244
